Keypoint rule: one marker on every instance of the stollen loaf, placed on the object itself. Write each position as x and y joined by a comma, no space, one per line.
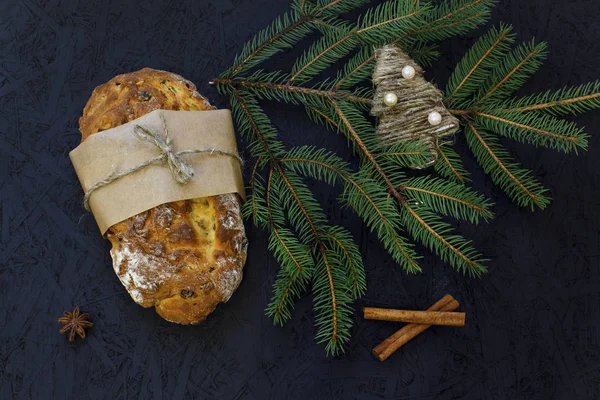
183,257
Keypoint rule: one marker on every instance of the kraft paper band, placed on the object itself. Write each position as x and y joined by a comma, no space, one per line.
119,149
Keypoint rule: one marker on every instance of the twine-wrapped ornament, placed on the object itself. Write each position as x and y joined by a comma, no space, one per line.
408,107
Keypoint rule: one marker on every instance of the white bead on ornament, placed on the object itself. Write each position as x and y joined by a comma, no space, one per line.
434,118
390,99
408,72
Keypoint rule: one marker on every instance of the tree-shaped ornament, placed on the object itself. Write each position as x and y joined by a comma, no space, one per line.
408,107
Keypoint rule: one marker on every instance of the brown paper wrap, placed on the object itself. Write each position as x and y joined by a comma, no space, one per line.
119,149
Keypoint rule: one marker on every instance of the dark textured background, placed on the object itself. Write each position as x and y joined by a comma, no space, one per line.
533,322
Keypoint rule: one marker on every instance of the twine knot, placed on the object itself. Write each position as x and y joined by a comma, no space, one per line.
181,170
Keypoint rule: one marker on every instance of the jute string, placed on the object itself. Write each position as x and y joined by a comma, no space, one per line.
182,172
417,98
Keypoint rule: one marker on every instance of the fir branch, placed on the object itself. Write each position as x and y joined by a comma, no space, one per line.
296,271
513,72
361,194
297,205
347,252
379,192
286,31
452,18
453,249
569,100
535,128
331,302
296,266
446,20
518,183
448,164
255,207
288,93
378,25
333,321
451,199
434,233
473,70
356,70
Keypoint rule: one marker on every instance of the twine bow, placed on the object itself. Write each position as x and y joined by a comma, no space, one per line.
181,170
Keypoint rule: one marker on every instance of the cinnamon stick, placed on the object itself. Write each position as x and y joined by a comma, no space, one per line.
408,332
416,317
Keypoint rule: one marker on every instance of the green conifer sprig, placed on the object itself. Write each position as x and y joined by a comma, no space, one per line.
327,7
424,54
511,74
570,100
534,128
449,165
473,70
447,198
286,207
447,19
490,111
495,160
398,208
303,242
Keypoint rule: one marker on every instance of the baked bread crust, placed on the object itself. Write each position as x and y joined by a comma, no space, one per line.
183,257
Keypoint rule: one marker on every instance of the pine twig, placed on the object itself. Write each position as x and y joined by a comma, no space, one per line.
389,202
285,88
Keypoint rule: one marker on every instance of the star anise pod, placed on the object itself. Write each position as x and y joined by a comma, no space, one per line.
74,323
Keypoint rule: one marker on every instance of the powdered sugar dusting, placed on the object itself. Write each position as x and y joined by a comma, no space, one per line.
231,219
163,215
229,279
136,295
140,270
153,270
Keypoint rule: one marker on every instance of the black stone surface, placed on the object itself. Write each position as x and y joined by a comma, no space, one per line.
533,327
